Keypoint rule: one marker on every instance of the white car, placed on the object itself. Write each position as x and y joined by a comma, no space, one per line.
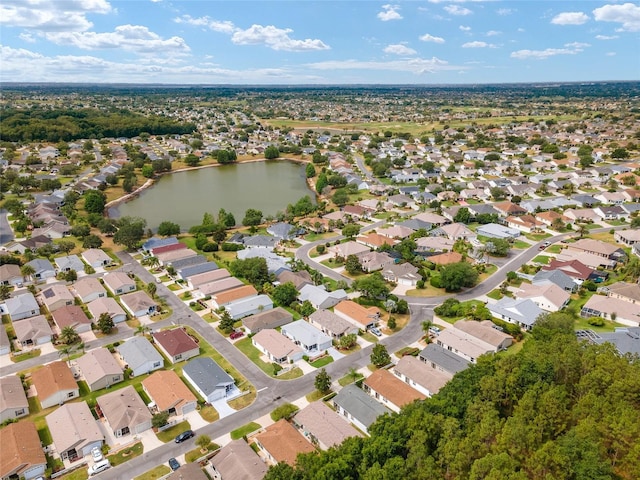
375,331
98,467
96,454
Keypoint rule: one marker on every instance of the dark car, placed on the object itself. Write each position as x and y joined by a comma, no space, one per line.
236,334
174,464
186,435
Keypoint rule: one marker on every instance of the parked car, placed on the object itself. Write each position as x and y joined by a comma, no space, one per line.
96,454
186,435
434,330
544,245
236,334
174,464
98,467
375,331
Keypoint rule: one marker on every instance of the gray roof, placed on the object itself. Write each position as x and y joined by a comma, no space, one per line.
496,230
138,350
523,311
331,321
268,319
70,262
445,359
282,230
156,242
415,224
305,333
318,295
207,374
626,340
557,277
260,241
360,405
23,303
41,265
482,208
190,271
181,263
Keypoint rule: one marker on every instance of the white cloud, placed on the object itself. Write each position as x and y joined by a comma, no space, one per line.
457,10
430,38
27,37
570,49
611,54
505,11
477,44
389,12
570,18
216,25
133,38
400,49
607,37
464,28
627,14
416,66
52,16
493,33
276,39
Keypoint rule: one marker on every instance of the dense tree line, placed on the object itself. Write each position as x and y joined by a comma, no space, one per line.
54,125
558,409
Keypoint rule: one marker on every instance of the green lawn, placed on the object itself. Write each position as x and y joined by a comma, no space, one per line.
315,396
78,474
244,430
26,356
521,245
171,433
553,249
158,472
253,354
209,414
126,454
495,294
347,379
543,259
193,455
536,237
583,324
321,362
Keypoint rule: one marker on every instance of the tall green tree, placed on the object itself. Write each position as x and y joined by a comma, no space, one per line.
322,381
379,355
456,276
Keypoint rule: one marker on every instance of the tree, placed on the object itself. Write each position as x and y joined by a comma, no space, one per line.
352,264
306,308
5,291
69,336
168,228
498,247
340,197
271,152
310,170
160,419
27,271
373,286
203,441
351,230
347,342
458,275
105,323
379,355
226,322
130,232
94,201
152,288
65,246
284,294
80,231
92,241
254,270
463,215
147,171
620,153
252,217
321,183
192,160
323,382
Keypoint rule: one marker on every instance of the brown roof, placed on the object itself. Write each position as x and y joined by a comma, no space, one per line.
167,390
357,312
284,442
53,377
227,296
69,316
124,408
392,388
168,248
299,279
175,341
21,448
237,461
12,393
445,258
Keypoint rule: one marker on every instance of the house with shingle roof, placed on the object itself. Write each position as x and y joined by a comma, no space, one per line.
348,248
237,461
13,399
520,311
627,237
88,289
125,411
54,384
547,296
306,336
107,305
33,331
331,324
119,283
281,442
222,299
169,393
43,269
611,308
299,279
138,303
443,360
373,261
249,306
389,390
319,297
402,274
208,379
100,369
74,431
71,316
276,347
68,263
10,274
96,257
176,344
186,273
23,305
420,376
323,427
360,316
358,407
206,277
56,296
272,319
21,455
140,356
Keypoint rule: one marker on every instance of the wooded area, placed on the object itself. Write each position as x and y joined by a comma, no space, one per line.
557,409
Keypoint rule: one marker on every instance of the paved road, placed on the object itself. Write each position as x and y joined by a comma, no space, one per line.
6,233
363,169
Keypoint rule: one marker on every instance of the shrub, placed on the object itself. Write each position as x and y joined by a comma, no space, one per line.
435,281
283,411
596,321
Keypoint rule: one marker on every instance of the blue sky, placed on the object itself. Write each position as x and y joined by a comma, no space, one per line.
318,42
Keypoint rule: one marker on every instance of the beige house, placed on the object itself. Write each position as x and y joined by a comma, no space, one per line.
201,278
276,346
169,393
139,303
125,412
96,257
237,461
13,400
21,455
72,316
54,384
548,296
485,332
56,296
33,331
88,289
100,369
107,305
420,375
119,283
74,431
281,442
322,426
176,344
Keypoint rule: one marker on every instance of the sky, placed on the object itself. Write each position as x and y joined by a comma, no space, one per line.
428,42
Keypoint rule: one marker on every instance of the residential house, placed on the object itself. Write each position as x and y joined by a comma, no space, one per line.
23,305
217,286
592,261
176,344
359,316
396,231
172,247
522,312
124,411
183,263
42,269
612,308
138,304
210,276
402,274
455,231
186,273
358,407
331,324
389,390
343,250
208,379
495,230
10,275
56,296
629,292
272,319
524,223
627,237
13,400
547,296
88,289
107,305
445,258
613,212
169,393
54,384
547,218
237,461
284,231
281,443
485,332
432,218
597,247
556,277
625,339
420,376
21,455
443,360
573,268
373,261
69,263
323,427
249,306
319,297
100,369
581,214
192,471
276,347
74,431
119,283
156,242
375,240
33,331
299,279
96,258
223,299
306,336
507,209
139,355
434,244
260,241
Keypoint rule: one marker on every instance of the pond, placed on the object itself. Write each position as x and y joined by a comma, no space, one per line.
184,197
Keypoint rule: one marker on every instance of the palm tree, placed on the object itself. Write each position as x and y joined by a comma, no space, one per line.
152,262
69,336
582,230
27,271
5,292
65,352
426,325
152,288
143,329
